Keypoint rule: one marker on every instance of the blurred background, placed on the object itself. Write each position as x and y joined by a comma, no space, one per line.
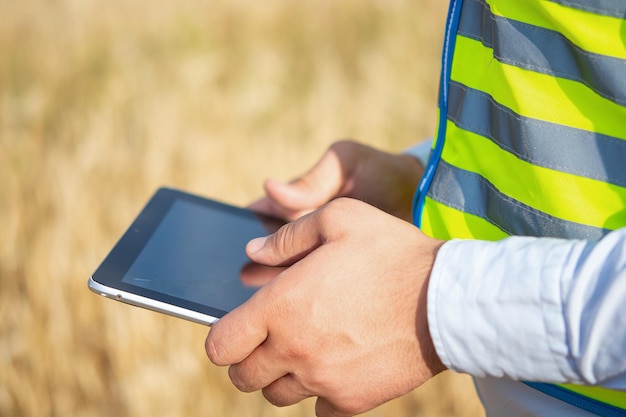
102,102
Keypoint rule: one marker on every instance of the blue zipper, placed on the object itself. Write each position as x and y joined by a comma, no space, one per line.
452,24
584,403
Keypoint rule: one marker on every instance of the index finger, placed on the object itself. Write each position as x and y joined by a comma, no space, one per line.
291,243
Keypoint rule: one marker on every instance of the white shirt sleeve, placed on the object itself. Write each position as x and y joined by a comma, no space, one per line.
535,309
421,151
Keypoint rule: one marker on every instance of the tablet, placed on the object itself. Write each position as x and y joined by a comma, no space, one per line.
183,255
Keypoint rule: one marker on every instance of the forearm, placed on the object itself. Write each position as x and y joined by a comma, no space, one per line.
532,309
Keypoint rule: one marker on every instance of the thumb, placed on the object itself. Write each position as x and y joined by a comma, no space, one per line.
318,186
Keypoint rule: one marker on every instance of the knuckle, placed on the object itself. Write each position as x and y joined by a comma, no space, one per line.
296,351
282,243
328,218
348,407
325,216
274,397
317,380
344,203
287,238
338,211
340,400
327,408
353,406
239,381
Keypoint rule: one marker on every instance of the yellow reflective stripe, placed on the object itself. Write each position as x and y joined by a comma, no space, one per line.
450,223
536,95
589,31
536,186
607,396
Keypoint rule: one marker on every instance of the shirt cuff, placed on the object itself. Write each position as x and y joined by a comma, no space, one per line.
421,151
495,308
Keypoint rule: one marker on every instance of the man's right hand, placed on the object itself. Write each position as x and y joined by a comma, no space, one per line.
347,169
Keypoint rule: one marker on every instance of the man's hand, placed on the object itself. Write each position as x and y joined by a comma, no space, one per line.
345,321
347,169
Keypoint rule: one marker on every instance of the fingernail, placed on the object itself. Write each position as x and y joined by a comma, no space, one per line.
255,245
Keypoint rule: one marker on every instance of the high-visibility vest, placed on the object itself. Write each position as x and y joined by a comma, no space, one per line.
531,138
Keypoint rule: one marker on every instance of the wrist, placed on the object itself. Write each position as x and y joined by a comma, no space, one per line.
433,360
432,363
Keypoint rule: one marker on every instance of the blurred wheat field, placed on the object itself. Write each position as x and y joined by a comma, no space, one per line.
102,102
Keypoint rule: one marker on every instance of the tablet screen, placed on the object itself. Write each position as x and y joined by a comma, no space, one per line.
197,254
186,251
